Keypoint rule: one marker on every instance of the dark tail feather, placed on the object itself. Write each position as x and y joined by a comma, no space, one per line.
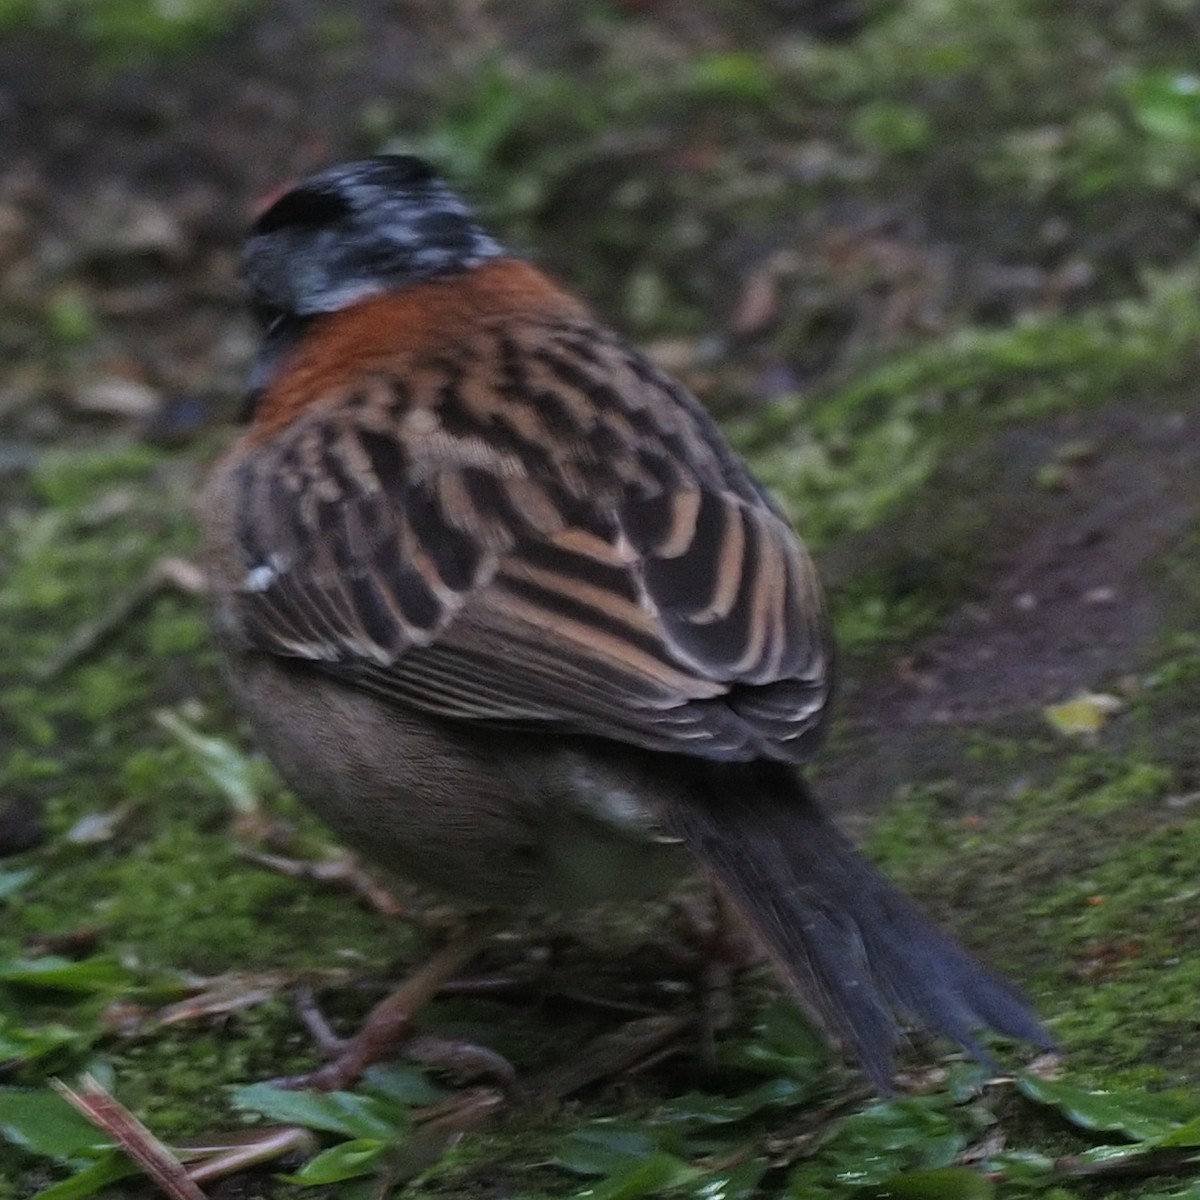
855,948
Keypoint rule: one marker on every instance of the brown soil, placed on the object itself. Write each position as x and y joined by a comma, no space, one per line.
1073,593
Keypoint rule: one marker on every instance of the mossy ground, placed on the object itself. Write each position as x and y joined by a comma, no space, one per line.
936,270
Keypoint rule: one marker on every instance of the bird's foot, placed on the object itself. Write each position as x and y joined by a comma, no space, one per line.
389,1027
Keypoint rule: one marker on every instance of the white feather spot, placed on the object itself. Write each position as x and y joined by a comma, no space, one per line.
259,578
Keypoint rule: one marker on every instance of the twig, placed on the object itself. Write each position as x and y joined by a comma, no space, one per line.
342,871
608,1055
1134,1165
112,1117
233,1152
167,574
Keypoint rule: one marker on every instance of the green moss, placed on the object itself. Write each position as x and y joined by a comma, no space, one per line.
124,30
1082,885
845,459
1080,881
166,891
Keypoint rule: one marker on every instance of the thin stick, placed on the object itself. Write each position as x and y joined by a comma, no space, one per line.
112,1117
167,574
251,1148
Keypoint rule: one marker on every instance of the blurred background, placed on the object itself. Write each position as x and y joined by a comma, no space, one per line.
933,264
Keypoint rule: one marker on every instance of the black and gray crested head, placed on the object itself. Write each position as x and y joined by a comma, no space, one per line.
357,230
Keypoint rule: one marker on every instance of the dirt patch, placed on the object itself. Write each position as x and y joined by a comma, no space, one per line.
1080,515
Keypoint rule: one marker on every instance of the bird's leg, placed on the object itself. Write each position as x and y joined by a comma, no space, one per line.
718,947
389,1026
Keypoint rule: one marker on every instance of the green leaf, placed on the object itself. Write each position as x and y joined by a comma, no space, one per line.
89,975
604,1148
1137,1115
404,1084
230,771
701,1108
1166,103
652,1175
1021,1165
1187,1134
785,1044
872,1147
892,128
13,879
349,1160
729,75
1111,1154
733,1183
347,1113
1188,1193
25,1045
944,1183
44,1123
92,1179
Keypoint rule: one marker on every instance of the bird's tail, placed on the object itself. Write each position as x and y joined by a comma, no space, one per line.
857,951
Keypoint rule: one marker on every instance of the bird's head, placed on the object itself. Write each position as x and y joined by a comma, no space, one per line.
355,231
344,235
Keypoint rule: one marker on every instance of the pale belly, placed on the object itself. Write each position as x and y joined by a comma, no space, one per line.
500,819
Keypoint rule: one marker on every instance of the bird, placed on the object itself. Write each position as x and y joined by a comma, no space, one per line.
503,606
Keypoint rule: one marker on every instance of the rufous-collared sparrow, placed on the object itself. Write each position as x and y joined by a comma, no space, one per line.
505,609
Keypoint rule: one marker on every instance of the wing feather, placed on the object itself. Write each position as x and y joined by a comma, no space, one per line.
557,535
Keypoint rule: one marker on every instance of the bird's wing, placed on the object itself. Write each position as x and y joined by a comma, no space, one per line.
543,529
